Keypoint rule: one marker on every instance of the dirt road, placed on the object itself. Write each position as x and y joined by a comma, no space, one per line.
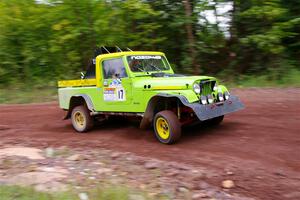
258,148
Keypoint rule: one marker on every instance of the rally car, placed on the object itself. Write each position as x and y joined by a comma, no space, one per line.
143,85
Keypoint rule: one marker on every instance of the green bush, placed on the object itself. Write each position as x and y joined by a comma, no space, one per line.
100,193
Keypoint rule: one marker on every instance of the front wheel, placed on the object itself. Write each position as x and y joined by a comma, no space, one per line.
82,121
167,127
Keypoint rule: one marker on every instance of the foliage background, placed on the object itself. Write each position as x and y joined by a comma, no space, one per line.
48,40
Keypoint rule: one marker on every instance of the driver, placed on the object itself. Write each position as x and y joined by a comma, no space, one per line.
135,65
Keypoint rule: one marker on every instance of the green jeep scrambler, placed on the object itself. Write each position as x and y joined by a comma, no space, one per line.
142,84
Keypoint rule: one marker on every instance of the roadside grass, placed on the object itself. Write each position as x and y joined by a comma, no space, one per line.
290,78
28,193
27,95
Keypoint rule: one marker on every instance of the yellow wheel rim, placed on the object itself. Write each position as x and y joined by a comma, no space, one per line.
162,128
79,119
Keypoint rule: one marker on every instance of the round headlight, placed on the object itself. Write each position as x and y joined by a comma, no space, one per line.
210,99
220,96
203,100
215,88
197,88
226,95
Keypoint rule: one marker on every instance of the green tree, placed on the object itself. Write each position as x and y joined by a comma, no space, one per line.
261,28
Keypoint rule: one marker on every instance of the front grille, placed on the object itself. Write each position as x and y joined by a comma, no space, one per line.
207,87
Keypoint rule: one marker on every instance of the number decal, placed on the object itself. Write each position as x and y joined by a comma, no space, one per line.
115,92
121,94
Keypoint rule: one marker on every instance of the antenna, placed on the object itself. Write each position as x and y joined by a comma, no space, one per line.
105,49
128,49
119,49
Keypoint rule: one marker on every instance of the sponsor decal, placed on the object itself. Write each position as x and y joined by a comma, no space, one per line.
116,83
115,91
145,57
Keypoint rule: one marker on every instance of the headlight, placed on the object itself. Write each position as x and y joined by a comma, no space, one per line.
215,88
220,96
203,100
197,88
226,95
210,99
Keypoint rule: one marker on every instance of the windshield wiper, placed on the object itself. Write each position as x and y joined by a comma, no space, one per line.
142,70
148,74
142,75
158,69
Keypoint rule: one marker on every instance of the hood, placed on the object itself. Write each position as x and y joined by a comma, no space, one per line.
168,83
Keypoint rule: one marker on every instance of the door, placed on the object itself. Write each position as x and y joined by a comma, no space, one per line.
117,87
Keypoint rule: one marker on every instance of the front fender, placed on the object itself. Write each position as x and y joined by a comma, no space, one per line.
149,113
203,112
222,88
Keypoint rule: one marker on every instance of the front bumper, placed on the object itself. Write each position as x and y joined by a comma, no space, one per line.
205,112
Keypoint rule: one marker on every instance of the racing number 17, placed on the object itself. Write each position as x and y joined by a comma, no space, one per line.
121,94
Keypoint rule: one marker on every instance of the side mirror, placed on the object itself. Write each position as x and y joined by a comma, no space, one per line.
82,75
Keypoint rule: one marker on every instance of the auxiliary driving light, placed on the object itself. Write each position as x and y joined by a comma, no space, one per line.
226,95
197,88
220,96
203,100
215,88
210,99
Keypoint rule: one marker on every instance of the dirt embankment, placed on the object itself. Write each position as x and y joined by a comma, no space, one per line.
258,148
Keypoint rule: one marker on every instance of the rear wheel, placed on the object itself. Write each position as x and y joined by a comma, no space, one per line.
167,127
82,121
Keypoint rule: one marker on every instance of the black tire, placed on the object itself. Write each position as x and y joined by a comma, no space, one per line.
87,122
215,121
173,127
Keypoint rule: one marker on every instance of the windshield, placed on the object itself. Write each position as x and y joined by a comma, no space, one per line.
146,63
